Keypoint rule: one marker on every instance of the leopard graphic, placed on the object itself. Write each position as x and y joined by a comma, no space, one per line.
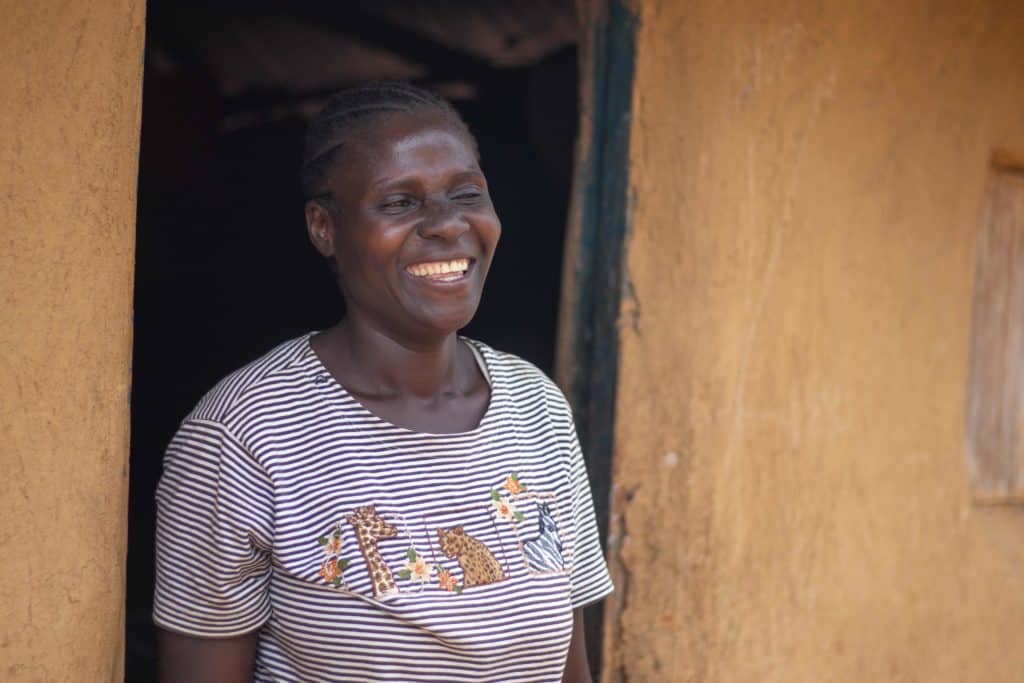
479,566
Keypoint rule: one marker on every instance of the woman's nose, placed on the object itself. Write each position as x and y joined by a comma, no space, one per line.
443,220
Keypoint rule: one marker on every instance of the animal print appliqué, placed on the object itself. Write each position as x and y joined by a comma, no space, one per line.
544,553
541,545
370,528
392,564
478,564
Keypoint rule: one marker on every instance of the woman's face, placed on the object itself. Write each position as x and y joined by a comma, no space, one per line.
412,230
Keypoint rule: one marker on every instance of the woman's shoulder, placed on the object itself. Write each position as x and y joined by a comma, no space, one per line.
267,378
520,374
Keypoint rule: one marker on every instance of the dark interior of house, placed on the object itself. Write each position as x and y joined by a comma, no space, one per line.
224,268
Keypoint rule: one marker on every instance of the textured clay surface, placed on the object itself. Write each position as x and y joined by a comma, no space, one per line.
70,75
791,493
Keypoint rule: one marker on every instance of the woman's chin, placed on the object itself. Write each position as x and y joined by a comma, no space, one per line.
443,321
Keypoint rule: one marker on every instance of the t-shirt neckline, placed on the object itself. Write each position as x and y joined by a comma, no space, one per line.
481,352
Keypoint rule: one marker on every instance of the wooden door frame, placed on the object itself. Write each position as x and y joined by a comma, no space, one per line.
587,348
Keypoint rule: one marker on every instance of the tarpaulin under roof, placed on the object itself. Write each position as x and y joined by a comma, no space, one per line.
286,56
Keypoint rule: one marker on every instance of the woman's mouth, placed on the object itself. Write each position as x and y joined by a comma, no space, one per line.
440,271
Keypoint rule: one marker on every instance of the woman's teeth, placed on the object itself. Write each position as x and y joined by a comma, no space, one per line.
440,270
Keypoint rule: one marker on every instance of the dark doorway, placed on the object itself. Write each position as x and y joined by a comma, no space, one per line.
224,269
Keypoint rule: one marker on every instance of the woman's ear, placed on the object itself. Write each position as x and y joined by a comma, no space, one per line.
320,227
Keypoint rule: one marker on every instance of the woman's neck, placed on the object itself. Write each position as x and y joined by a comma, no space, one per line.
372,362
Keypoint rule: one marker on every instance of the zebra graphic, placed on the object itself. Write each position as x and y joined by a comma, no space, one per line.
544,553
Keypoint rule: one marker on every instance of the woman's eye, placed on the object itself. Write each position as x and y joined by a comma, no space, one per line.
468,196
397,205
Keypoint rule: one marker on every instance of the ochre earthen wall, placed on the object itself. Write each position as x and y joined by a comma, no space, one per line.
70,78
791,494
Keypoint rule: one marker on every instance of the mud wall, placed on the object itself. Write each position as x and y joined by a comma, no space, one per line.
791,499
70,75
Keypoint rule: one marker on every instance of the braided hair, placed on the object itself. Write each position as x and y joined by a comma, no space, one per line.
352,108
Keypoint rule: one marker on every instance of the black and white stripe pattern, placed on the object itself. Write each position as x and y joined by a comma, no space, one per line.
253,529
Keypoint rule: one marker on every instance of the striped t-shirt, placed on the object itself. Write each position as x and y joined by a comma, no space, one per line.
365,551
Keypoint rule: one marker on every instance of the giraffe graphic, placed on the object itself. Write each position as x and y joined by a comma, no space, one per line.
369,528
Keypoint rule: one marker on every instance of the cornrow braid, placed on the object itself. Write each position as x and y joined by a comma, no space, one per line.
352,108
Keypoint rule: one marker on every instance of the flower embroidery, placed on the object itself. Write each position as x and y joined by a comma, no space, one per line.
504,508
331,569
513,485
419,570
331,544
416,568
447,582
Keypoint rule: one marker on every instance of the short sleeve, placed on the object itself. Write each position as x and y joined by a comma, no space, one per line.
214,534
589,577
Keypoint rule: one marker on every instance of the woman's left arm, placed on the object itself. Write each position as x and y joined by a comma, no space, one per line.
577,670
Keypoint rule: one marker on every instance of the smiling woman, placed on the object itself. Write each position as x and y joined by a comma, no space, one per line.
401,206
358,503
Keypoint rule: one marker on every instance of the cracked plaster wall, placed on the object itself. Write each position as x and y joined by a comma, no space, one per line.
791,498
71,76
